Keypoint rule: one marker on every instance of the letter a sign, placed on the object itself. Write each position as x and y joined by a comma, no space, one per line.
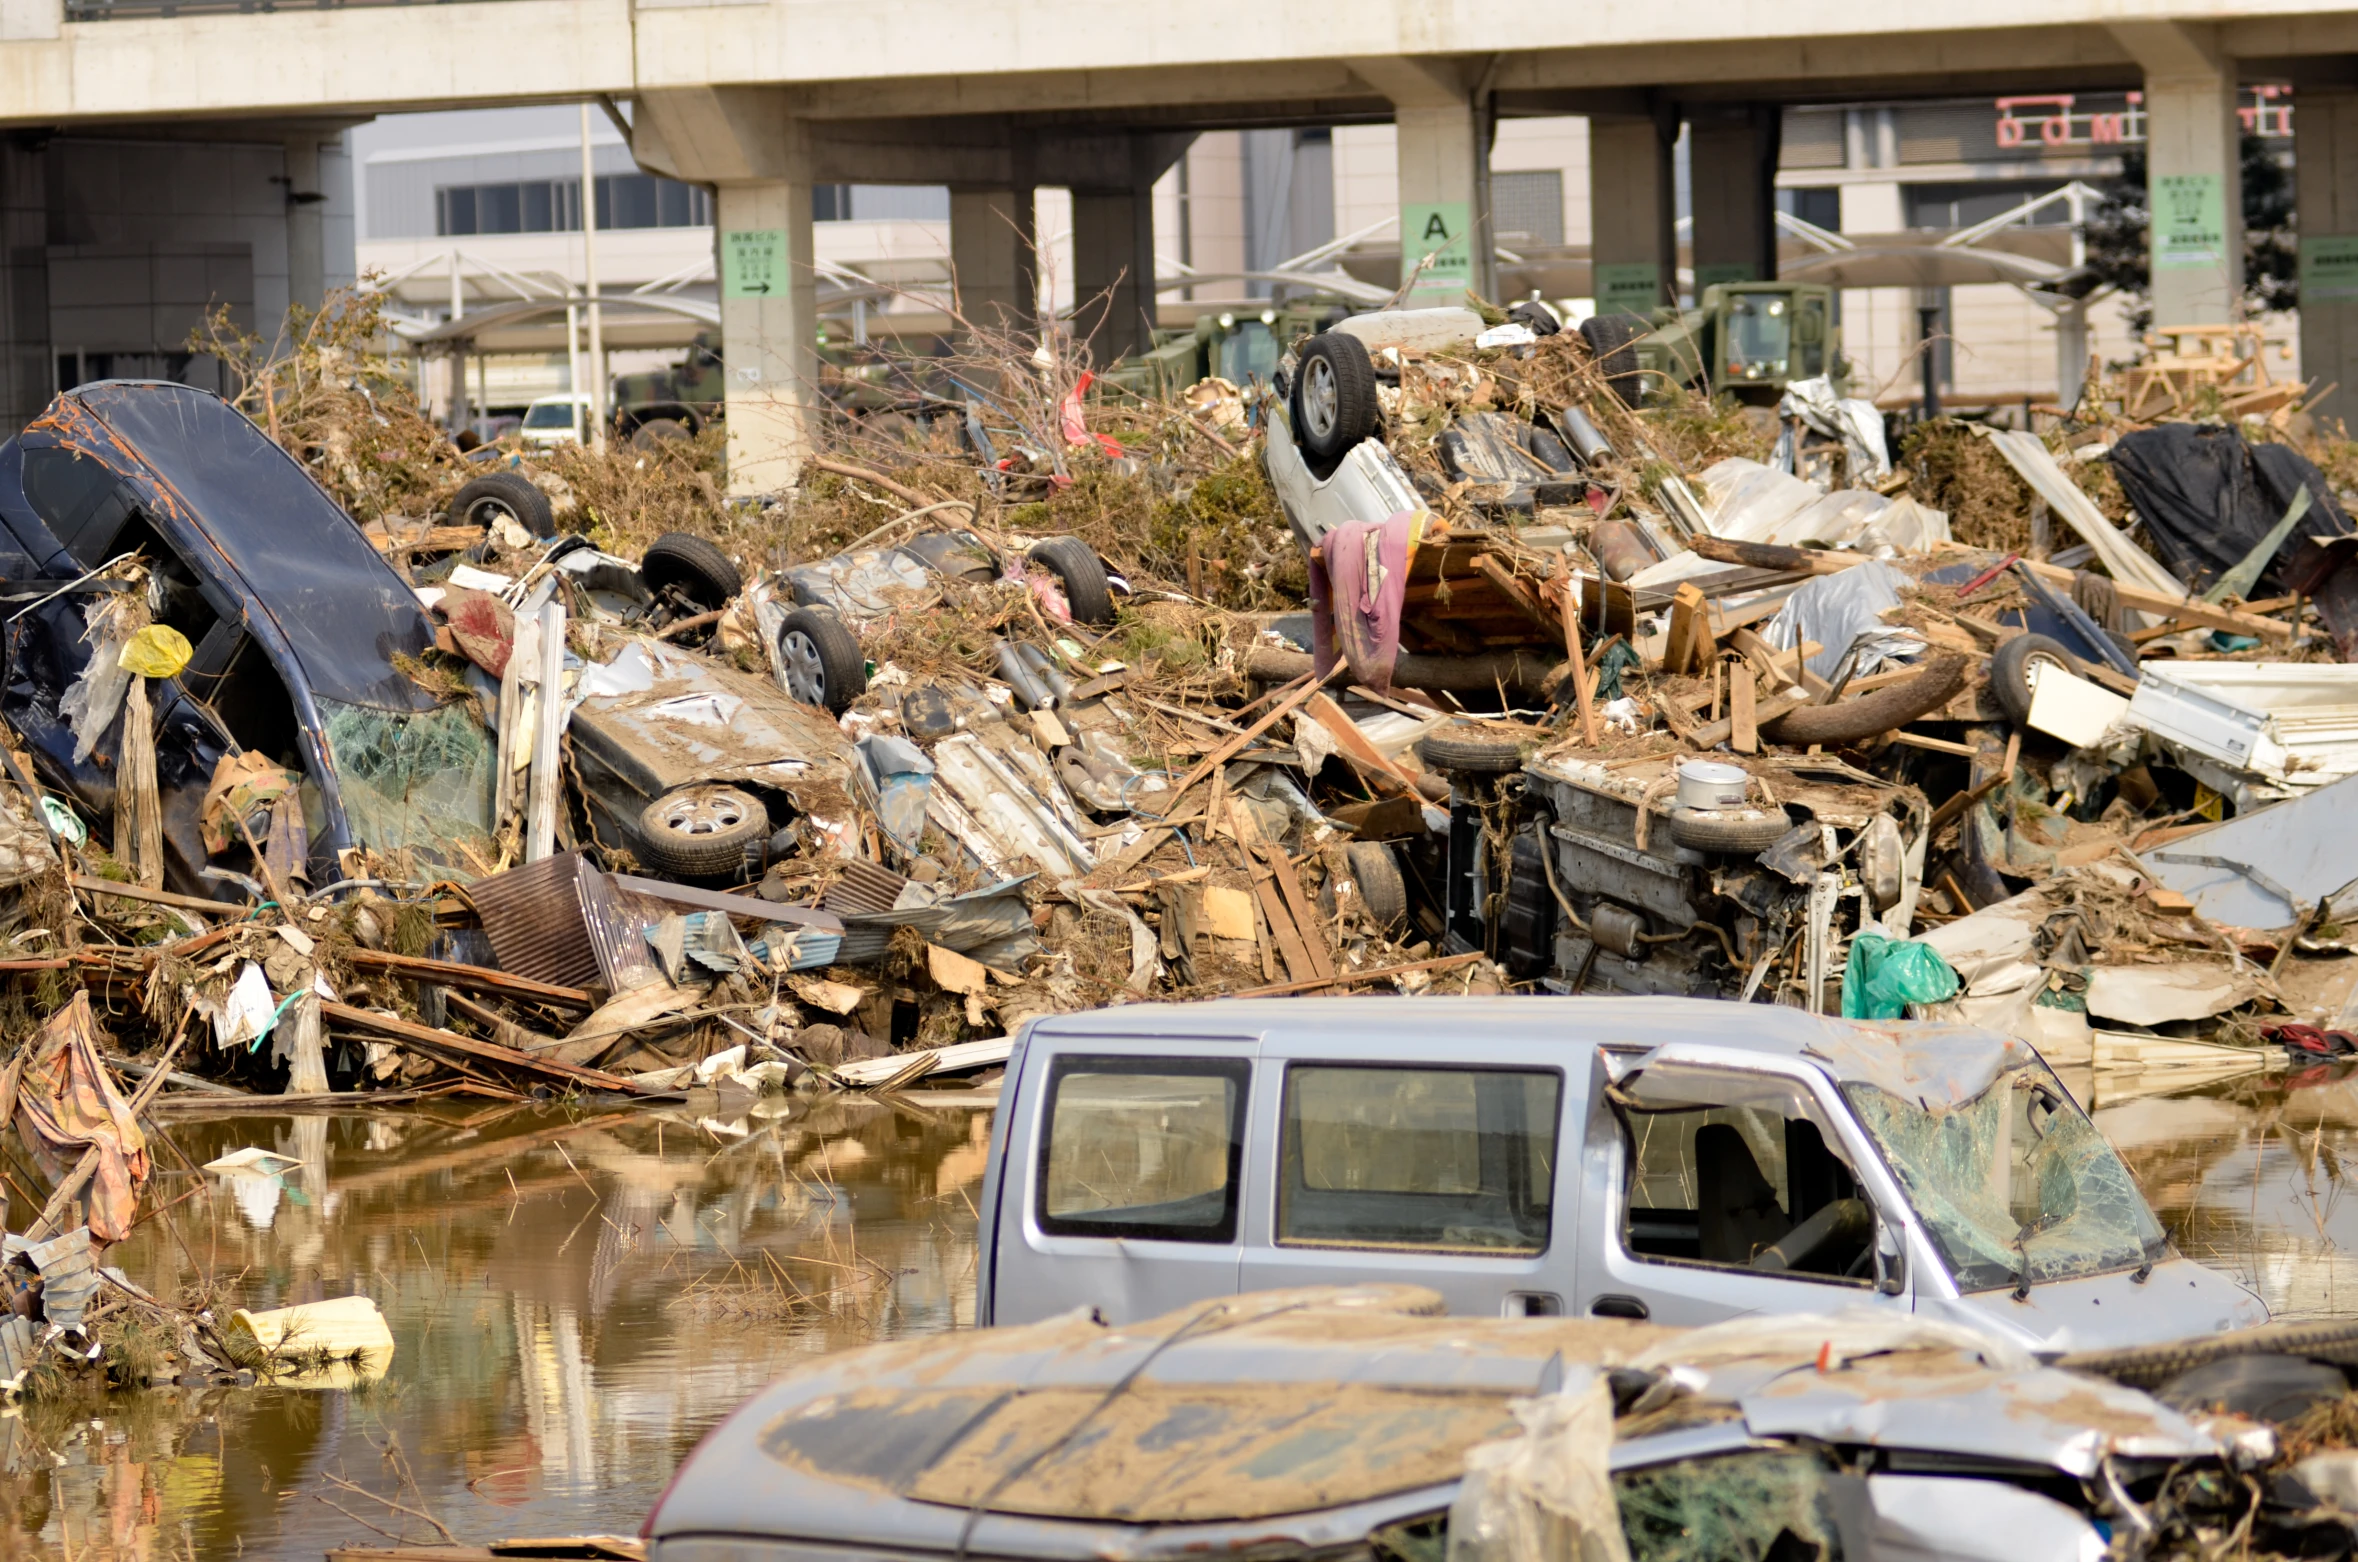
1440,230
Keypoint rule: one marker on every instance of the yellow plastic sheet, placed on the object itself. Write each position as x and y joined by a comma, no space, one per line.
158,651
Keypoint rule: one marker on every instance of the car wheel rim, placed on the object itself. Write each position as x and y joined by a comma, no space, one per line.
704,813
1319,397
806,675
2036,667
490,512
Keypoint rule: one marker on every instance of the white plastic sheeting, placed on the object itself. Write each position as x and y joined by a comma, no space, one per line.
1547,1493
1854,421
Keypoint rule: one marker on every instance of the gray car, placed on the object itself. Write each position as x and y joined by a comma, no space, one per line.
1681,1161
1342,1425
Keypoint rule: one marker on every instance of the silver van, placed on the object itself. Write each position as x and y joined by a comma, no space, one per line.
1676,1160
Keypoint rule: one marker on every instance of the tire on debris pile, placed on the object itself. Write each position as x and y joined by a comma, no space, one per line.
1735,834
2011,667
823,660
1477,748
1077,565
1871,715
504,493
1334,399
703,831
1381,884
1612,341
701,571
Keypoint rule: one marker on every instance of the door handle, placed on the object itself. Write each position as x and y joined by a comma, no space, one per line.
1532,1304
1618,1307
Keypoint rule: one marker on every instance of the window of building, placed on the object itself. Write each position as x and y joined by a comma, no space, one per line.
1531,204
1818,205
1445,1158
1143,1148
1963,205
554,205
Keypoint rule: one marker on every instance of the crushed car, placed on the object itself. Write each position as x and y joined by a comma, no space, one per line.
1317,1422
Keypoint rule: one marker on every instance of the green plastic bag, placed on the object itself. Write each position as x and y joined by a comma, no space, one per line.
1884,975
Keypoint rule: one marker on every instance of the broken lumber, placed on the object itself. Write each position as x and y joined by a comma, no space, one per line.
447,1042
470,978
1518,671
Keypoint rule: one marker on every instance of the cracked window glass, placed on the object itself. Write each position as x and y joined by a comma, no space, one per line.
2015,1185
414,779
1769,1503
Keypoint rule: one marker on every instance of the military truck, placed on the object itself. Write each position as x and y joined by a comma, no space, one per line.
673,402
1236,347
1746,339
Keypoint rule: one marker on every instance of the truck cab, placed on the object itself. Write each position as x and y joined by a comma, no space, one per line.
1681,1161
1745,339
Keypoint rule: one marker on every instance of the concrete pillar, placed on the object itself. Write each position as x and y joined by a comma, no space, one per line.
756,156
306,230
1633,211
2193,172
28,371
1113,259
1442,125
2325,162
1733,187
992,251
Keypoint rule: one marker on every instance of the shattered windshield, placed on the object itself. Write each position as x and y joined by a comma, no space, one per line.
415,779
1760,331
2015,1183
549,414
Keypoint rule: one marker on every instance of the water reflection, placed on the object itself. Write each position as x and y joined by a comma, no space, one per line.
575,1300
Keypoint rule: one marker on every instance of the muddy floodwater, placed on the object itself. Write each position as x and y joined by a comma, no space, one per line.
577,1298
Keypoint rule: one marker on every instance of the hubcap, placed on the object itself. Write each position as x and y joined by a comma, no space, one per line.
1319,397
706,812
806,675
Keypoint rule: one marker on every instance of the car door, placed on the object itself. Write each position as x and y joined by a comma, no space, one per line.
1400,1168
1717,1183
1124,1180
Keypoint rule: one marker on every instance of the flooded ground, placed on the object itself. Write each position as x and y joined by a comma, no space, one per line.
577,1299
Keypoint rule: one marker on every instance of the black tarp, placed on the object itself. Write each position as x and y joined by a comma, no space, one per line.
2208,497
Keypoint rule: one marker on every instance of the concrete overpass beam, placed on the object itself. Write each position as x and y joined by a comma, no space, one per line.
1443,127
1633,212
757,158
1732,150
2325,156
2193,171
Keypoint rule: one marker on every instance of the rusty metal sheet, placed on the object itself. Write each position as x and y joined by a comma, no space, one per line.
534,919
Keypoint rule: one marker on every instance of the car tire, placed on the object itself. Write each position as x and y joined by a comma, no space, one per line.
1477,748
822,658
1871,715
1612,341
1730,834
703,831
659,434
1077,565
2011,671
2265,1386
504,493
1334,402
698,568
1382,886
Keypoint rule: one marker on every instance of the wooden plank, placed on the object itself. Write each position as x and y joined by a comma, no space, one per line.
1280,923
1691,645
1297,695
1374,974
1573,652
1501,578
1936,745
1743,719
1355,746
470,978
957,1058
1307,923
467,1046
1764,712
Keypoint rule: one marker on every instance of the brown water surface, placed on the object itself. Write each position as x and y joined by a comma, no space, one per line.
577,1298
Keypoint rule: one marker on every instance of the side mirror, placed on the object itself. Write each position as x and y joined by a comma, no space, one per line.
1891,1264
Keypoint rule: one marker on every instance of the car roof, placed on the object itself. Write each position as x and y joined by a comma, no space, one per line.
1915,1059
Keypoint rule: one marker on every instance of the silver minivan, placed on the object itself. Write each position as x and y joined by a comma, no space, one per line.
1671,1159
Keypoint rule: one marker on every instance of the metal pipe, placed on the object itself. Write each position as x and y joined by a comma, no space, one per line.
589,286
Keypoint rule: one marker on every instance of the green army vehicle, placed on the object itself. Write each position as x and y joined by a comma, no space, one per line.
1233,346
673,402
1746,339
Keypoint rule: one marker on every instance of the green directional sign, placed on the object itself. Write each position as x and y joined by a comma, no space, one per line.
753,263
2329,267
2189,220
1442,230
1628,287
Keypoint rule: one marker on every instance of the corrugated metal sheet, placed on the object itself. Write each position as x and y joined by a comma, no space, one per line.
864,887
533,916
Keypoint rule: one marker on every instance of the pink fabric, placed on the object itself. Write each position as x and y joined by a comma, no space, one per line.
1358,583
